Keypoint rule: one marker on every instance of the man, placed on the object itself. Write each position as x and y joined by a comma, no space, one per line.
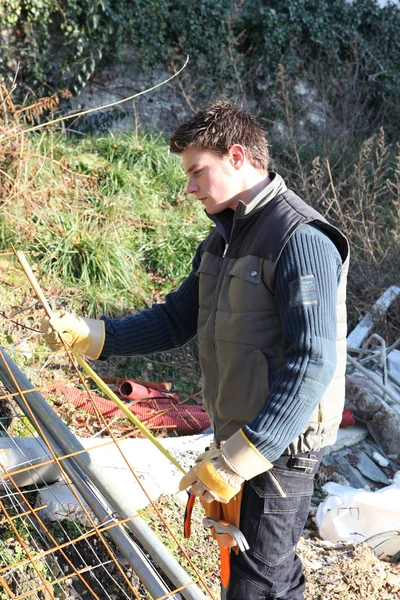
266,297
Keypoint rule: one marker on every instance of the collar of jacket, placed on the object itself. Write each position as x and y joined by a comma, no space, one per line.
224,219
275,187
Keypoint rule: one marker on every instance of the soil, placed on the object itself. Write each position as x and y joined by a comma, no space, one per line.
334,571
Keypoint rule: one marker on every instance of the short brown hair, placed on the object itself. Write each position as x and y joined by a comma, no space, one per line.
219,126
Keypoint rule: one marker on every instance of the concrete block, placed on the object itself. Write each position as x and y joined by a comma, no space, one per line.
61,504
152,469
348,436
17,453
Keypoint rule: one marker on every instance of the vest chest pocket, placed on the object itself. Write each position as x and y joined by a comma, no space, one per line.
246,291
247,268
208,271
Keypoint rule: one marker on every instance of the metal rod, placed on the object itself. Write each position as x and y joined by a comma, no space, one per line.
133,554
122,506
99,382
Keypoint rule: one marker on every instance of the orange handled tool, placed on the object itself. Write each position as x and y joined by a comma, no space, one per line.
225,562
188,514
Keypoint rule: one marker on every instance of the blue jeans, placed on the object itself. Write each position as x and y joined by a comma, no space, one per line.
274,510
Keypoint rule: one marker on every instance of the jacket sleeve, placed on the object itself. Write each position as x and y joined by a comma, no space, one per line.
307,277
163,327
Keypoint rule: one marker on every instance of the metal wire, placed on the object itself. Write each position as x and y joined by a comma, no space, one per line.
32,527
61,558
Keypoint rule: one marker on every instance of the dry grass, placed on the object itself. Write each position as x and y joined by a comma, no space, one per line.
354,182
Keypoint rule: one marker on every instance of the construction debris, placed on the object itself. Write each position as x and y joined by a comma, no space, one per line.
360,470
355,515
157,409
346,571
367,402
357,337
373,396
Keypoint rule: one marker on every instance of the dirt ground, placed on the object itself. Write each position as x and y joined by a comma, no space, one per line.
334,571
346,572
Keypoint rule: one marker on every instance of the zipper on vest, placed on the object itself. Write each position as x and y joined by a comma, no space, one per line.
211,333
211,330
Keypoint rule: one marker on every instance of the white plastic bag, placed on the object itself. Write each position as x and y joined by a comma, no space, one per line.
355,515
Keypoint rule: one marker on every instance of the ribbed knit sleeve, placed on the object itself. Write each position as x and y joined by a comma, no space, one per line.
307,277
163,327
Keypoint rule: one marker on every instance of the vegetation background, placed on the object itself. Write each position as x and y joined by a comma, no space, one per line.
105,217
102,215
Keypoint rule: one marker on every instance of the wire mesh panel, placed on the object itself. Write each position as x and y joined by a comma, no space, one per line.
66,530
41,555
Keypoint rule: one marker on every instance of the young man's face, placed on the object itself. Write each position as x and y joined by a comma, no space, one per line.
214,180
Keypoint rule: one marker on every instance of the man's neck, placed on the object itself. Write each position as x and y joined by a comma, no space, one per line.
252,187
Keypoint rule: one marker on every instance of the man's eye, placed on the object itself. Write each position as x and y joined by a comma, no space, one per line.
197,172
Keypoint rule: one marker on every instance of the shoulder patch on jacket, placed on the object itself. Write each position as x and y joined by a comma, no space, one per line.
303,291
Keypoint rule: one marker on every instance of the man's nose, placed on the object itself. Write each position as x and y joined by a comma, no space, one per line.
192,187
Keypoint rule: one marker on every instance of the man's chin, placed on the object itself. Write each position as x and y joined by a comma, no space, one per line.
213,209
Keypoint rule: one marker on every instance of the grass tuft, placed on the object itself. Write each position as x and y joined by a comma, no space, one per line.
105,217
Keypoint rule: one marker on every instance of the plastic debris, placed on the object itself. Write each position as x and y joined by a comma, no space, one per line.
355,515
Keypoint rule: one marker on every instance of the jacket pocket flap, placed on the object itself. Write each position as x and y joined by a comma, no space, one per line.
248,268
209,264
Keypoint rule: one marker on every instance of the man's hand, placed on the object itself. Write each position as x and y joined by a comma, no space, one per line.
218,474
86,336
212,478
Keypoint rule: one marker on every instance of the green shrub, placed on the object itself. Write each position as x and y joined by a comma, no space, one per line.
109,222
235,47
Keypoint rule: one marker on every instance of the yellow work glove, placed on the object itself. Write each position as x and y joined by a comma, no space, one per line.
218,474
212,479
208,454
86,336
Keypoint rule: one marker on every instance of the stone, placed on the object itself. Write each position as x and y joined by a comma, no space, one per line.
60,504
353,476
381,460
369,469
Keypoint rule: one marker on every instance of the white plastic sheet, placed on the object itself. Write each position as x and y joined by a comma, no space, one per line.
354,515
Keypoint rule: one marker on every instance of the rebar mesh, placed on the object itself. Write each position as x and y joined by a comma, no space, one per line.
45,555
63,558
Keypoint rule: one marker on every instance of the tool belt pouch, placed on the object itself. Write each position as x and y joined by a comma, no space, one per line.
230,513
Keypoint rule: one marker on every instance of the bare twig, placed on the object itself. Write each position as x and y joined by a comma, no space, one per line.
75,115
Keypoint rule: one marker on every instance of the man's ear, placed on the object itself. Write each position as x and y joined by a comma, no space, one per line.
237,156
